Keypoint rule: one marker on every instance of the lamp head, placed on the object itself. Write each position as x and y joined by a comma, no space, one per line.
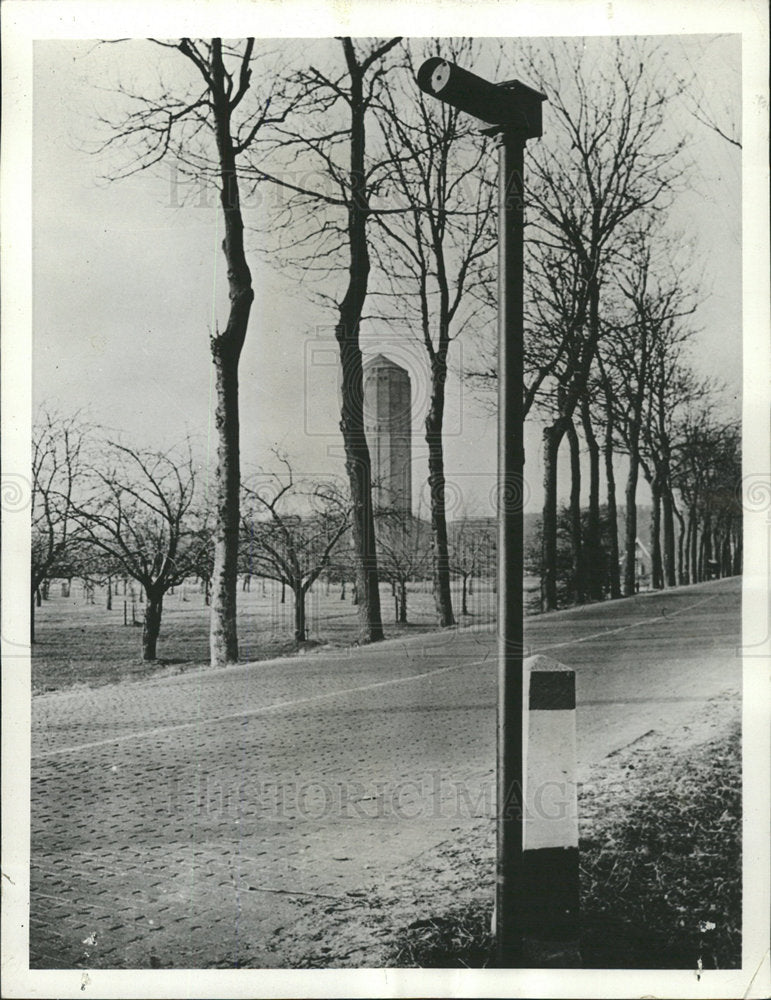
510,105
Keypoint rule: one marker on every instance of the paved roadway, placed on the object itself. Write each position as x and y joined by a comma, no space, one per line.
184,820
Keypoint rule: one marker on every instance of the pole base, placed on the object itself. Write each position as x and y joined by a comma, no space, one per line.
540,954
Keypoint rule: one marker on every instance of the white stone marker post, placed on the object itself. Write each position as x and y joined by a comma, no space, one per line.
550,884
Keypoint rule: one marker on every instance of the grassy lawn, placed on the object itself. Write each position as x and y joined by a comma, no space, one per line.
82,643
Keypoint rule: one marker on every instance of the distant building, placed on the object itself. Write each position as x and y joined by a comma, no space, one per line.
388,427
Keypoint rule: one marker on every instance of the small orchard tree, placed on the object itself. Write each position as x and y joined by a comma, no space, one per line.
57,473
139,512
289,531
96,569
404,550
472,551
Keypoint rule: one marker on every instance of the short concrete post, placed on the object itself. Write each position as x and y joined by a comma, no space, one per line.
550,884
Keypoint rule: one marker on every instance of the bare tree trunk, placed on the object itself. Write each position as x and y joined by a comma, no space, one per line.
299,612
705,555
152,625
725,552
594,556
737,567
109,593
464,594
681,578
402,599
693,527
223,636
630,528
436,482
552,436
614,569
226,350
668,525
359,473
576,533
705,547
32,617
657,574
357,457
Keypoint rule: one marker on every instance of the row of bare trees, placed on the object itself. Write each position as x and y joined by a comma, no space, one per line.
388,200
104,511
367,169
610,335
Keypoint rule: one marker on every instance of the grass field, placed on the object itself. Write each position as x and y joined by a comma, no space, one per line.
78,642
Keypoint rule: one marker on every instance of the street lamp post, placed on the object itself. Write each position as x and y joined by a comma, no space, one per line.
512,112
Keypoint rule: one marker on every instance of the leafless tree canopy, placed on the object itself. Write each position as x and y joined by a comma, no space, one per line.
58,447
290,530
138,509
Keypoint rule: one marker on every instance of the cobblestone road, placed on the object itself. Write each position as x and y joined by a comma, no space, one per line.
186,822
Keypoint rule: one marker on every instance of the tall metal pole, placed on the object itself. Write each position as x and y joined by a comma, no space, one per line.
511,458
514,112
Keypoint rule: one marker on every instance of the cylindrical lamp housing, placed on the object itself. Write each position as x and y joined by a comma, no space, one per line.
510,104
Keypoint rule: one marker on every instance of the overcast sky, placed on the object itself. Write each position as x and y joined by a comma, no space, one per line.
128,283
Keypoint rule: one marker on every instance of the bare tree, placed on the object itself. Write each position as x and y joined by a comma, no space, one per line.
96,569
404,549
640,355
434,253
290,531
606,160
327,232
605,403
205,128
673,386
138,510
472,551
707,476
57,475
720,111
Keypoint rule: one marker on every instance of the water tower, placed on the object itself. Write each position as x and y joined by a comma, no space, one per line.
388,426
